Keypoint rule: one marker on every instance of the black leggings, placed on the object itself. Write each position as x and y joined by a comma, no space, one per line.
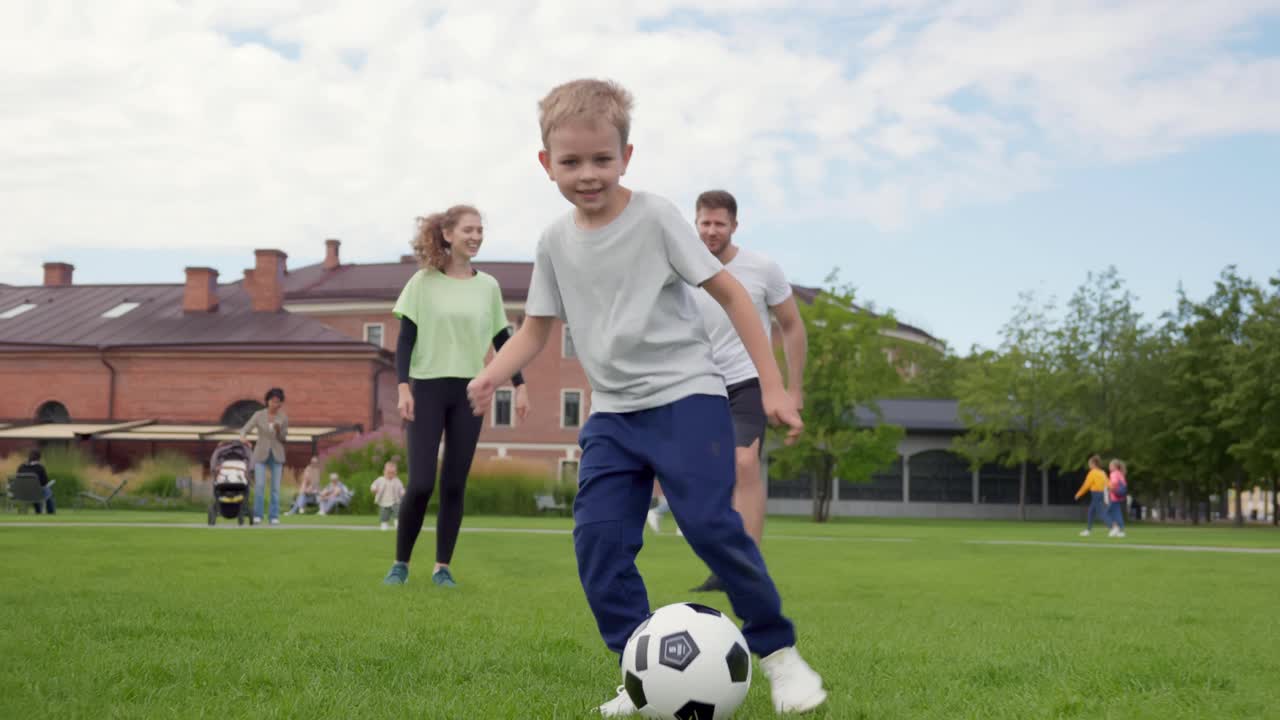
439,405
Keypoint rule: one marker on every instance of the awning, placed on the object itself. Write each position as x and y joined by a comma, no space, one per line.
151,431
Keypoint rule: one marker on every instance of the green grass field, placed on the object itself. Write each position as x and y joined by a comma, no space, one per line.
905,619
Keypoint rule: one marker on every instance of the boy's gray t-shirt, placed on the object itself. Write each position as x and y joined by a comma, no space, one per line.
626,293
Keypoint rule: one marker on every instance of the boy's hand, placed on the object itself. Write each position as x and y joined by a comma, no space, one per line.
480,393
780,408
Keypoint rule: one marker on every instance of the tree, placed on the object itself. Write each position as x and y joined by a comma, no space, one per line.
846,369
1008,397
1250,405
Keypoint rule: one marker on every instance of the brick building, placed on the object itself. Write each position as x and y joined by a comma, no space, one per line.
205,352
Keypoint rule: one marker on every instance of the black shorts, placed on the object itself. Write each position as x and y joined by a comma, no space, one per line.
746,405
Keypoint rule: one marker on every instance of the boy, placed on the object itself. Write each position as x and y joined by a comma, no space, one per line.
387,491
621,270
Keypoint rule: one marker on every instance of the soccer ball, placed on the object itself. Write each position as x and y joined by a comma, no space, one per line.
686,662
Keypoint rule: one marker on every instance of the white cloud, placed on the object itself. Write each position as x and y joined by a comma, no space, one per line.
150,125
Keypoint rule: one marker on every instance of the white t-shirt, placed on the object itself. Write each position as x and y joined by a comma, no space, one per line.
627,292
768,287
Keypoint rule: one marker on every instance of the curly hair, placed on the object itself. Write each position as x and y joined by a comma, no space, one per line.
429,243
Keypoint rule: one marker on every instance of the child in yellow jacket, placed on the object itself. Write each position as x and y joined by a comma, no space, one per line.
1095,483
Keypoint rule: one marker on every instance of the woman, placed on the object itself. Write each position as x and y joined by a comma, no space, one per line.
1095,483
449,315
272,427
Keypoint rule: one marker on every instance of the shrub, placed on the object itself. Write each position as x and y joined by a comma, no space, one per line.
70,467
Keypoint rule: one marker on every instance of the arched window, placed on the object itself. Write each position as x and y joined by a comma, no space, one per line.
53,412
239,412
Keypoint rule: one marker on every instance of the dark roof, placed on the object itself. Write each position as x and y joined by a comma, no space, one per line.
383,281
916,414
71,317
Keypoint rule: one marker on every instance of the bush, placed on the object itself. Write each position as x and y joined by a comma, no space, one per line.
70,467
495,487
158,475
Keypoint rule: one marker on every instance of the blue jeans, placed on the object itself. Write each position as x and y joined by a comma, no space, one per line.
259,484
1115,513
690,445
48,501
1097,508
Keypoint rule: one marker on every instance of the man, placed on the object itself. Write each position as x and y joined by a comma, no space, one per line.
717,220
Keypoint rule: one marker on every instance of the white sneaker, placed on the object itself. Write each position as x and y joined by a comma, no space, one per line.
275,521
1085,533
395,524
620,706
385,526
257,520
654,522
795,686
1113,533
1120,534
322,513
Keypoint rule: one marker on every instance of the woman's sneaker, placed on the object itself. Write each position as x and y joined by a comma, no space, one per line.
398,575
794,685
443,578
620,706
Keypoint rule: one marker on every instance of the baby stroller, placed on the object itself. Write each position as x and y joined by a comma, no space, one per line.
230,465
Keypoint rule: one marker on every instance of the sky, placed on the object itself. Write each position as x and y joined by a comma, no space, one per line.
943,155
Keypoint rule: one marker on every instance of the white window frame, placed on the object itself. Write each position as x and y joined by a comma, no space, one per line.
17,310
121,309
382,330
566,342
582,400
566,461
493,413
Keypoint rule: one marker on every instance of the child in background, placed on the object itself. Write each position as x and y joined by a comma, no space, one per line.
1118,494
387,491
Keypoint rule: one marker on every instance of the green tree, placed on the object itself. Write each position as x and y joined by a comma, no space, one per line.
847,368
1249,406
1008,397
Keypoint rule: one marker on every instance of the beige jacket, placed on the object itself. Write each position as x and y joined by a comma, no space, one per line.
267,441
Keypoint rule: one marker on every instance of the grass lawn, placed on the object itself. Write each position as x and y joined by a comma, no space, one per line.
905,619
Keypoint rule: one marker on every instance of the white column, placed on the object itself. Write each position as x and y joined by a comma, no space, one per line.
906,478
976,471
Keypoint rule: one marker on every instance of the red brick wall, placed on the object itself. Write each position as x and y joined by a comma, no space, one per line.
75,380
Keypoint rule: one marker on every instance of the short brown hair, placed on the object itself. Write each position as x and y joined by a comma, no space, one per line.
586,99
428,244
717,200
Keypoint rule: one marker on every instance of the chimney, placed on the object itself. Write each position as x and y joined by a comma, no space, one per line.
331,260
200,295
58,274
267,285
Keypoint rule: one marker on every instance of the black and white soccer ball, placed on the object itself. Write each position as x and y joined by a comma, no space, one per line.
687,662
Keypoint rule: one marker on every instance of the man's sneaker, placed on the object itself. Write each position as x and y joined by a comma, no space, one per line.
711,584
794,685
385,526
398,575
443,578
655,522
1085,533
620,706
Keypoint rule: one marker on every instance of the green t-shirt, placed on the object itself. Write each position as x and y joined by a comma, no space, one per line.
456,321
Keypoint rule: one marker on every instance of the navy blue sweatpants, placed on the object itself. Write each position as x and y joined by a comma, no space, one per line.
689,445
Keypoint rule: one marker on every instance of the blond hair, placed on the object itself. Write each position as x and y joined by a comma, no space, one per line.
429,243
586,99
1118,463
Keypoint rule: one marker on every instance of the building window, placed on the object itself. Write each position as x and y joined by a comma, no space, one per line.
570,408
120,310
53,412
239,412
569,471
503,399
17,310
566,344
373,333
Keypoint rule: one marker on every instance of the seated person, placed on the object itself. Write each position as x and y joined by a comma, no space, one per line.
333,495
308,489
34,467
